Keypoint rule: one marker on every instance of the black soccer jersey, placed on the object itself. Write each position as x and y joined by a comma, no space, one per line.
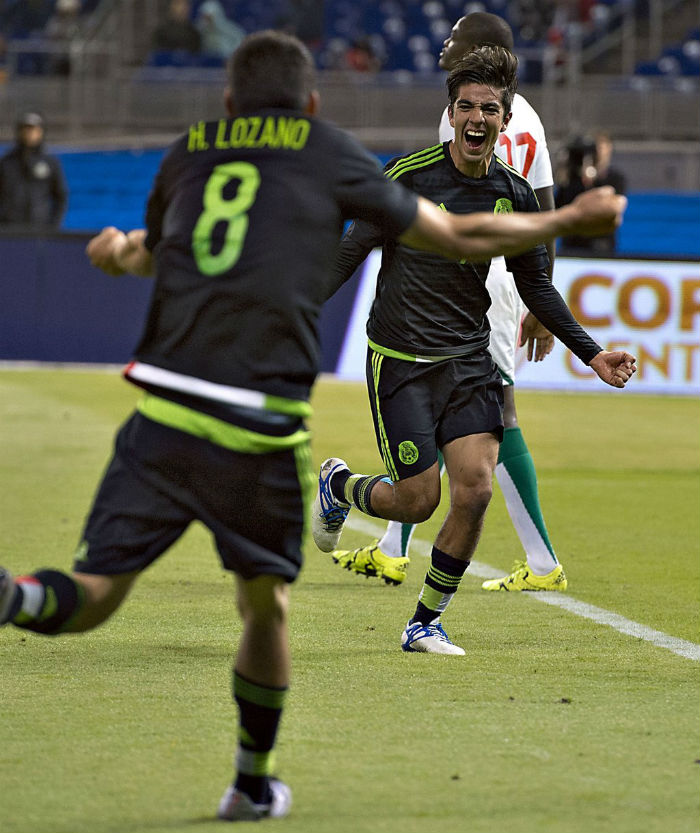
429,307
243,221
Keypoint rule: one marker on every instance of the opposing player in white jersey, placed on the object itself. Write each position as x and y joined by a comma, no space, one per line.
523,146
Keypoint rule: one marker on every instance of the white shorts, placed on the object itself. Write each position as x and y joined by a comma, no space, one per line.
505,315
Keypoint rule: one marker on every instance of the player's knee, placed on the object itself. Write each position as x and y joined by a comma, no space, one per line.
265,598
418,507
473,497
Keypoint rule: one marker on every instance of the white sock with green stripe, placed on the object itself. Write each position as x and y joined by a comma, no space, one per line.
515,472
441,583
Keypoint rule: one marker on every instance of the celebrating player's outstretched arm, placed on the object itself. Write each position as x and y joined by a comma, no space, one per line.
475,237
480,236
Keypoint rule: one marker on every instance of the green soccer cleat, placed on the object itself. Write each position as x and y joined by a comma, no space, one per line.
371,561
522,578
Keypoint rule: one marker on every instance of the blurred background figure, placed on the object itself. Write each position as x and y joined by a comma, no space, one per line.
33,190
360,57
606,173
587,164
64,25
177,31
219,35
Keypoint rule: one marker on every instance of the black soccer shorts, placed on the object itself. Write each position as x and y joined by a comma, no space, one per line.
160,479
419,407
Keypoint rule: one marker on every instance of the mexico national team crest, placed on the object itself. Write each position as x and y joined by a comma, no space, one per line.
503,206
408,453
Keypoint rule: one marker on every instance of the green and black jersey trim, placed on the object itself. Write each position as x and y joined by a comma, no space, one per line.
410,357
512,170
420,159
217,431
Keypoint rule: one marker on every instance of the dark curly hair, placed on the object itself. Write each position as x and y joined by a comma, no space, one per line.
491,65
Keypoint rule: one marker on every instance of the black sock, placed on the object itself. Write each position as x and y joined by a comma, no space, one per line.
338,481
46,601
362,491
260,712
441,583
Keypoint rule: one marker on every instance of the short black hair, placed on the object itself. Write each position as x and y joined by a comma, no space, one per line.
492,65
485,29
271,69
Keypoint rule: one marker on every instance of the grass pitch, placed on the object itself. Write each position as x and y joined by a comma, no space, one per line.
551,723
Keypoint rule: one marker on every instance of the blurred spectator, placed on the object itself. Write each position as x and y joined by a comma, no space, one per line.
532,18
587,164
360,57
606,174
219,35
62,27
33,190
177,31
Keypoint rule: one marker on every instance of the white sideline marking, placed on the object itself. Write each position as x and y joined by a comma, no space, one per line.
682,647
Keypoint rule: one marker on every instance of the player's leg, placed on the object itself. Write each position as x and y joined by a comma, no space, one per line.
386,557
52,601
515,471
468,431
470,462
396,541
404,420
258,534
130,524
260,684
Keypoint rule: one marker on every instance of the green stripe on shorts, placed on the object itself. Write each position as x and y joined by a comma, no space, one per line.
377,360
216,431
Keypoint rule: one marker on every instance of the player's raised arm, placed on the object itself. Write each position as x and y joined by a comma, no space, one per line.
115,252
480,236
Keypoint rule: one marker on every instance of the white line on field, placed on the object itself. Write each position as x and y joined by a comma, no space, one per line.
682,647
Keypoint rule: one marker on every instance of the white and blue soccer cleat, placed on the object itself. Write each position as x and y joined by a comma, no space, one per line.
328,514
428,639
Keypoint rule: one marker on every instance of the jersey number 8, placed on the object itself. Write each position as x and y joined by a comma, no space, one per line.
232,212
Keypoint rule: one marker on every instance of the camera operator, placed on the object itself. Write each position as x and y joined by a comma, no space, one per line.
586,165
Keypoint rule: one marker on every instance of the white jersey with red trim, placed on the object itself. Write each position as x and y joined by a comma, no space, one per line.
523,146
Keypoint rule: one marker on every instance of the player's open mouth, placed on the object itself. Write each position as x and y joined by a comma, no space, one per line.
474,138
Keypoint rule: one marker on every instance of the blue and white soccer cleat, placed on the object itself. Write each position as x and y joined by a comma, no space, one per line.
238,806
328,514
428,639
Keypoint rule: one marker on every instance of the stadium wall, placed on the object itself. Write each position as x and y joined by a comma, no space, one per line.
54,307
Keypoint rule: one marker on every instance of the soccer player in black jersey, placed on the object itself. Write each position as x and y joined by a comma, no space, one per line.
243,224
433,385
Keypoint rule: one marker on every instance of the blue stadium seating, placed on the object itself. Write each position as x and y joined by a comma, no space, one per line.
679,60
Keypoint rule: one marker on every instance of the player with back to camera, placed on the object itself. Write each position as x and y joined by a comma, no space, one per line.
523,145
227,358
433,386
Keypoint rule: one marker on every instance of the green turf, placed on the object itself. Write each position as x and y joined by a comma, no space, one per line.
550,724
